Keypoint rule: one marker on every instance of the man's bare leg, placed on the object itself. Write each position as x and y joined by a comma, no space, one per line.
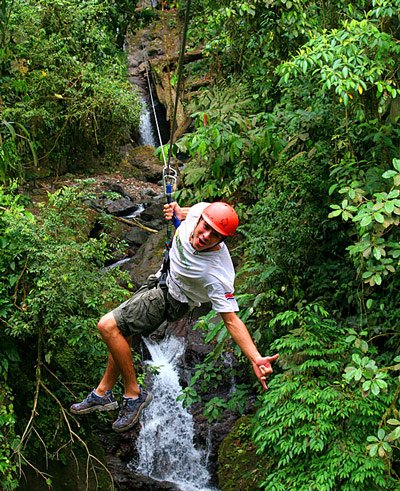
111,374
120,359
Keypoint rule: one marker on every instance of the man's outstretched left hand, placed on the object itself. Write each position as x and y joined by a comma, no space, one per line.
263,369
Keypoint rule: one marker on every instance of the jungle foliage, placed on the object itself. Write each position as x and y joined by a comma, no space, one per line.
53,287
65,105
65,100
300,129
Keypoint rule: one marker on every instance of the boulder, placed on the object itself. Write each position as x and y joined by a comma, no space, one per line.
136,237
146,166
121,207
147,259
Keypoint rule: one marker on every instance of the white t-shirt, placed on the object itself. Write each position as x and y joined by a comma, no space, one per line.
200,277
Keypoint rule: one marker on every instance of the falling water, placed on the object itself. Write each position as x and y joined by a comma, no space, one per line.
136,213
165,443
146,133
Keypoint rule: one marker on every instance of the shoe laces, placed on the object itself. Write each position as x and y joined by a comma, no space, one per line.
124,407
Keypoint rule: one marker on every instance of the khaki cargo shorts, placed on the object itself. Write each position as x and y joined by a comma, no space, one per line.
146,310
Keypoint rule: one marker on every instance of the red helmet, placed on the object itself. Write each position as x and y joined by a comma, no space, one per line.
221,217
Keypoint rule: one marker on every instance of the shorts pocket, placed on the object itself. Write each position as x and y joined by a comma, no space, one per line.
155,304
175,309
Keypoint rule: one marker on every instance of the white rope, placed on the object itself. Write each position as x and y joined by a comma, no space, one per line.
155,115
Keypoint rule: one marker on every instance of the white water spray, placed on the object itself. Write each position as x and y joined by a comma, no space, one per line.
146,133
165,443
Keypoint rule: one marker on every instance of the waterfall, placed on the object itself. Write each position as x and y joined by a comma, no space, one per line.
146,133
136,213
165,443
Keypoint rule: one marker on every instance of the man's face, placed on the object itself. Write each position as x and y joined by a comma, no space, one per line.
204,236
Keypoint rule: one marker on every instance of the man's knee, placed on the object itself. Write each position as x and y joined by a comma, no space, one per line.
107,326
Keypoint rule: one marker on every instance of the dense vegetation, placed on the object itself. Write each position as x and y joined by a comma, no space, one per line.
300,129
65,105
65,99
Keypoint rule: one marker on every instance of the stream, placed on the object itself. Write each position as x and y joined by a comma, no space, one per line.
165,443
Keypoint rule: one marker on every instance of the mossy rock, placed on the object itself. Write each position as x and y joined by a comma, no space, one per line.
239,467
144,164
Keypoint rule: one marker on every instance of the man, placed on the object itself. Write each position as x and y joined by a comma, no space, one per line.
201,270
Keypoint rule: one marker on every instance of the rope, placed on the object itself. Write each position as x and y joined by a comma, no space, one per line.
178,86
170,174
177,93
155,115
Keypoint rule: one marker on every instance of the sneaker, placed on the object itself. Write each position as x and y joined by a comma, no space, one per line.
93,402
130,411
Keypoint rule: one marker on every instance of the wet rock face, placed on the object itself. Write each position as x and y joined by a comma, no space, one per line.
120,457
120,207
137,232
145,166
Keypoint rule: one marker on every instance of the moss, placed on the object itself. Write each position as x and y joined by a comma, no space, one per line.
239,467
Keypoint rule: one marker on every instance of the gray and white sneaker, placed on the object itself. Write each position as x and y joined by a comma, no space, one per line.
131,410
93,402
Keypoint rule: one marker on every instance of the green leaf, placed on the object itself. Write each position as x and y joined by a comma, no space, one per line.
366,385
394,435
376,251
396,164
332,189
346,215
375,388
366,221
381,434
379,217
358,374
387,447
367,274
389,173
381,383
335,213
373,450
389,207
